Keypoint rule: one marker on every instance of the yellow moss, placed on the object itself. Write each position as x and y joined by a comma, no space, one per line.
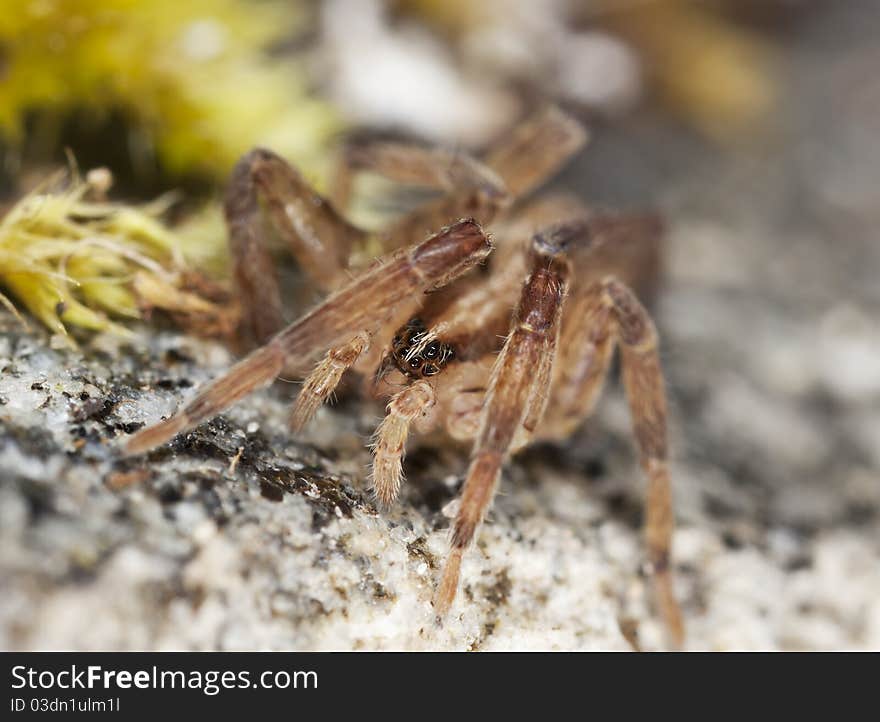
74,261
192,78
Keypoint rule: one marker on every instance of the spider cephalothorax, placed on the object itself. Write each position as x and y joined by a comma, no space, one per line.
516,352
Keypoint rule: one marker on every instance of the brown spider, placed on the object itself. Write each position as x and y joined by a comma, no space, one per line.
434,336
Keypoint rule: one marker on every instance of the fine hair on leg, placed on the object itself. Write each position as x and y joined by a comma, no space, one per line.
362,304
514,390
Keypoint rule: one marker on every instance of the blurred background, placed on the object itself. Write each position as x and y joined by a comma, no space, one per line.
164,92
752,125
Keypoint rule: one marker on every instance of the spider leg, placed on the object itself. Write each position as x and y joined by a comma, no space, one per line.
605,315
620,246
535,150
456,396
643,381
586,348
362,304
470,188
437,168
624,245
389,443
318,237
516,165
402,162
537,402
325,378
473,315
341,181
514,393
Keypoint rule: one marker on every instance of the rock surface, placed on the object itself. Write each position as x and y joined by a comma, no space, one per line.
238,537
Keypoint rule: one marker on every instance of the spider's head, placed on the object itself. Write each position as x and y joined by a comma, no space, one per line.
417,353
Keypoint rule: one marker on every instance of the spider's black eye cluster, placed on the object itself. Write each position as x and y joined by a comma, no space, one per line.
431,358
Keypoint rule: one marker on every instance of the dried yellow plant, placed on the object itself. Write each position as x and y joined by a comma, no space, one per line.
73,259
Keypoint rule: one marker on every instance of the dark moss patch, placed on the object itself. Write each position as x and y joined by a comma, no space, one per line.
216,439
171,384
257,460
859,515
375,589
595,468
89,409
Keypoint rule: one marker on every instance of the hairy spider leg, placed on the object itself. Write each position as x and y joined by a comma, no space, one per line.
481,188
468,187
389,442
535,150
324,379
606,315
644,384
601,314
319,238
514,395
364,303
587,337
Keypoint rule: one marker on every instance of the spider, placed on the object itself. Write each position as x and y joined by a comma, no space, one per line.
429,331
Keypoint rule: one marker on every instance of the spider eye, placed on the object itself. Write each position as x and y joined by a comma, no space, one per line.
430,370
432,350
415,362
